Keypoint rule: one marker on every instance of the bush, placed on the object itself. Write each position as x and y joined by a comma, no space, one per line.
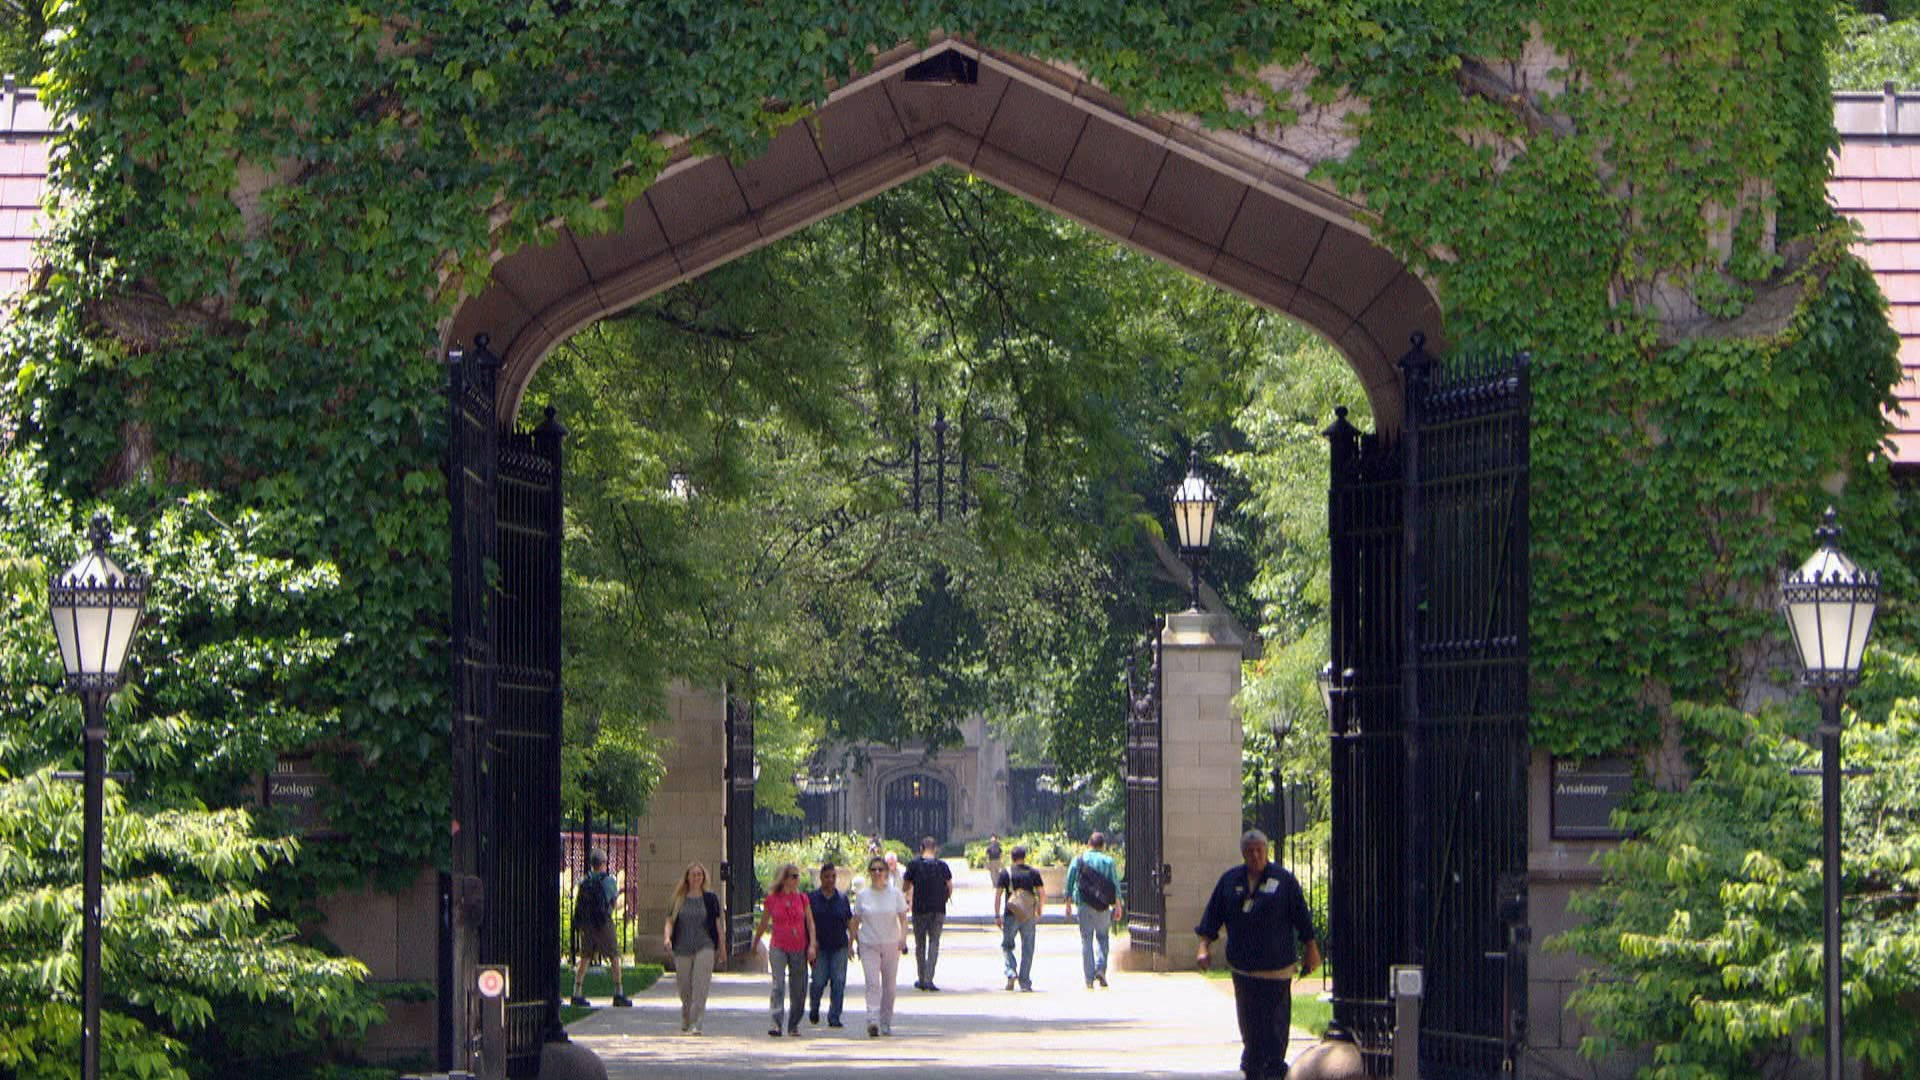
1043,849
1706,931
808,852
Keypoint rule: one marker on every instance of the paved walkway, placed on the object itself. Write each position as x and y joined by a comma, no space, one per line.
1179,1025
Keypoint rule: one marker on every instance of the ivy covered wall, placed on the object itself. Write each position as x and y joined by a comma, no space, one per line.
267,209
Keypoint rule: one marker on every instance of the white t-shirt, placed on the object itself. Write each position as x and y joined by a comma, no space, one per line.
879,911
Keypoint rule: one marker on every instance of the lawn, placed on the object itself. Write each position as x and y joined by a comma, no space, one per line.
633,977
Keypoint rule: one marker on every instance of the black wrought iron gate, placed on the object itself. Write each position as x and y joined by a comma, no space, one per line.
742,885
503,898
1146,869
1429,730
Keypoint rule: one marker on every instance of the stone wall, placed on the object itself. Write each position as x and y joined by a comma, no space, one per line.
685,821
397,935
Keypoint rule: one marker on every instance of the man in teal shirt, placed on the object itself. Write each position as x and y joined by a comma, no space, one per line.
1093,898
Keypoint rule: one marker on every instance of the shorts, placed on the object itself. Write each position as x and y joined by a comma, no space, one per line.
598,942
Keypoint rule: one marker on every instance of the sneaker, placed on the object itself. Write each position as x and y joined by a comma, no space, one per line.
793,1032
775,1032
622,1001
1026,988
1012,982
813,1017
684,1028
887,1030
873,1031
579,1002
697,1031
933,988
1089,984
835,1023
919,985
1101,979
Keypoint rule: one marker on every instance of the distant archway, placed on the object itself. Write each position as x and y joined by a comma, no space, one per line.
1231,209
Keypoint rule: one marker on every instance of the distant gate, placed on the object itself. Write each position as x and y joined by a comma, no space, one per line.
1429,748
501,902
1146,868
916,807
742,885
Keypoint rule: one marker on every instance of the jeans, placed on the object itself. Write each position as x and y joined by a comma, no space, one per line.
693,976
1094,943
880,963
1265,1010
926,943
1026,931
830,970
793,966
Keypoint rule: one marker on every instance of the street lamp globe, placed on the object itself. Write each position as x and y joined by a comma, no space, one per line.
1194,504
1830,604
96,608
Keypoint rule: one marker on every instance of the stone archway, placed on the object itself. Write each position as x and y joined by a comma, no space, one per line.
1232,209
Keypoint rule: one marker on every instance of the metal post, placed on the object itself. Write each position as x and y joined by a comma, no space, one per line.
1408,985
1830,827
93,705
1193,564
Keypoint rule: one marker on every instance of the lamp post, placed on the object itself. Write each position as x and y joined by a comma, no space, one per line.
1829,603
96,609
1194,504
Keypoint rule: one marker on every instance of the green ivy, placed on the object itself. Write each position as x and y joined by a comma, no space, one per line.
277,355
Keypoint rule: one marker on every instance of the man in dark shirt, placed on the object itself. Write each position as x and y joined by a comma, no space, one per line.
1263,911
929,886
1022,895
830,915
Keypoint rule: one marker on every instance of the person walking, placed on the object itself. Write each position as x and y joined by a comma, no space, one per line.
593,903
879,930
1093,888
1019,899
994,863
831,913
929,887
1260,906
693,938
790,950
895,873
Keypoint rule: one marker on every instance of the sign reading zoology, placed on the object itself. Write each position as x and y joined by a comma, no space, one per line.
298,785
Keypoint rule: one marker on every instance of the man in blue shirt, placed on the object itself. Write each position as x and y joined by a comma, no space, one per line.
830,915
1097,903
1263,911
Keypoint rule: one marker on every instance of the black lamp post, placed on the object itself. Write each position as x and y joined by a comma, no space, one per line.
1829,604
1194,504
96,609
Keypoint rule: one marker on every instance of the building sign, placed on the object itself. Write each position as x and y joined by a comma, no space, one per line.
297,785
1585,794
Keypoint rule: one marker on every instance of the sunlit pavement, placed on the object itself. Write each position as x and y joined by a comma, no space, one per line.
1179,1025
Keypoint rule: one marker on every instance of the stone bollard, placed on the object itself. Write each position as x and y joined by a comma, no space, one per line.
570,1061
1332,1058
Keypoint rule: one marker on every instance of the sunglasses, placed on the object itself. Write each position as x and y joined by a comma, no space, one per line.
793,877
877,868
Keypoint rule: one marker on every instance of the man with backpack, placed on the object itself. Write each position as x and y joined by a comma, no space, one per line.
929,887
593,902
1093,884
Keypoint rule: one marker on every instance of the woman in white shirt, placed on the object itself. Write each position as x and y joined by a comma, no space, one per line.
879,929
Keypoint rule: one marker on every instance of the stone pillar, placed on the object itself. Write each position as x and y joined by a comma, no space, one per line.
1200,747
685,819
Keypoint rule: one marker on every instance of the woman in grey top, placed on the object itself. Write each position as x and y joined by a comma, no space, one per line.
693,937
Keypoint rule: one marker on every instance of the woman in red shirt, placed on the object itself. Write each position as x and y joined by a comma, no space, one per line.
791,949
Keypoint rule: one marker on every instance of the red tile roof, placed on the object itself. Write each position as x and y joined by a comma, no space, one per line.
1876,182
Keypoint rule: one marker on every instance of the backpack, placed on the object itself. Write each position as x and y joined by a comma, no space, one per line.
590,902
1096,888
1021,903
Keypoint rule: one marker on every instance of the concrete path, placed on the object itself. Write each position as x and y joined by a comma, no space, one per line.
1179,1025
